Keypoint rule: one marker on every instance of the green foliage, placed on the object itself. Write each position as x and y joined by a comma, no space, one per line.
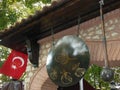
12,11
3,20
7,17
117,74
3,55
4,79
46,1
1,63
93,77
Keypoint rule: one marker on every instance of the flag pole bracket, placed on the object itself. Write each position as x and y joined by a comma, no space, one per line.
33,51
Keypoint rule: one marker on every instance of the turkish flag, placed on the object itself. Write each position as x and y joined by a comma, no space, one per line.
15,65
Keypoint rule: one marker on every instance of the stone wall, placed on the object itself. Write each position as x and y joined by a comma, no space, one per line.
89,31
30,72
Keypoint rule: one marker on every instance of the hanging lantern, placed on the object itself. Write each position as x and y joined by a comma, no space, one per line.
68,61
107,74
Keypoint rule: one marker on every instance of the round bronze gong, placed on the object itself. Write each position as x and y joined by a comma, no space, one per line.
68,61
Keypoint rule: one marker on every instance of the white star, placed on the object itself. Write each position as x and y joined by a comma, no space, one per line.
14,67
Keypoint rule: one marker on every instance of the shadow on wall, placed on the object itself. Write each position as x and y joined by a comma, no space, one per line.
41,80
48,85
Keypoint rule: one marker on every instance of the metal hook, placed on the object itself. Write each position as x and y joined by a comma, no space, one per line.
101,2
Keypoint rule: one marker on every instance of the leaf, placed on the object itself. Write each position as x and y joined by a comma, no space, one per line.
1,63
46,1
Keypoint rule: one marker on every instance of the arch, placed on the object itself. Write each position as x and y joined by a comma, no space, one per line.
41,81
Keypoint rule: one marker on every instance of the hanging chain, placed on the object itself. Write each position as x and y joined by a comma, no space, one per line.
53,39
103,30
78,28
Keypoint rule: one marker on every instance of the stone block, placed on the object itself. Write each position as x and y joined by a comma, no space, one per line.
114,34
111,28
28,68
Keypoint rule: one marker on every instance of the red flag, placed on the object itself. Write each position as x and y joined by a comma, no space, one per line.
15,65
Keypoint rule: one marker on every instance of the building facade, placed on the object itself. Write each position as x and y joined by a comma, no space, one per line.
91,32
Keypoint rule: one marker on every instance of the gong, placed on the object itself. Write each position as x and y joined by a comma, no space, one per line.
107,74
68,61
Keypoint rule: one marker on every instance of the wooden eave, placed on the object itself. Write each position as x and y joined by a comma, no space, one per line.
58,16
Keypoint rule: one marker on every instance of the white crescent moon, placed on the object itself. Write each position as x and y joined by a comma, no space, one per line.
19,58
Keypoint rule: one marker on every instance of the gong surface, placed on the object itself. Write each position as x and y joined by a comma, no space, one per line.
68,61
